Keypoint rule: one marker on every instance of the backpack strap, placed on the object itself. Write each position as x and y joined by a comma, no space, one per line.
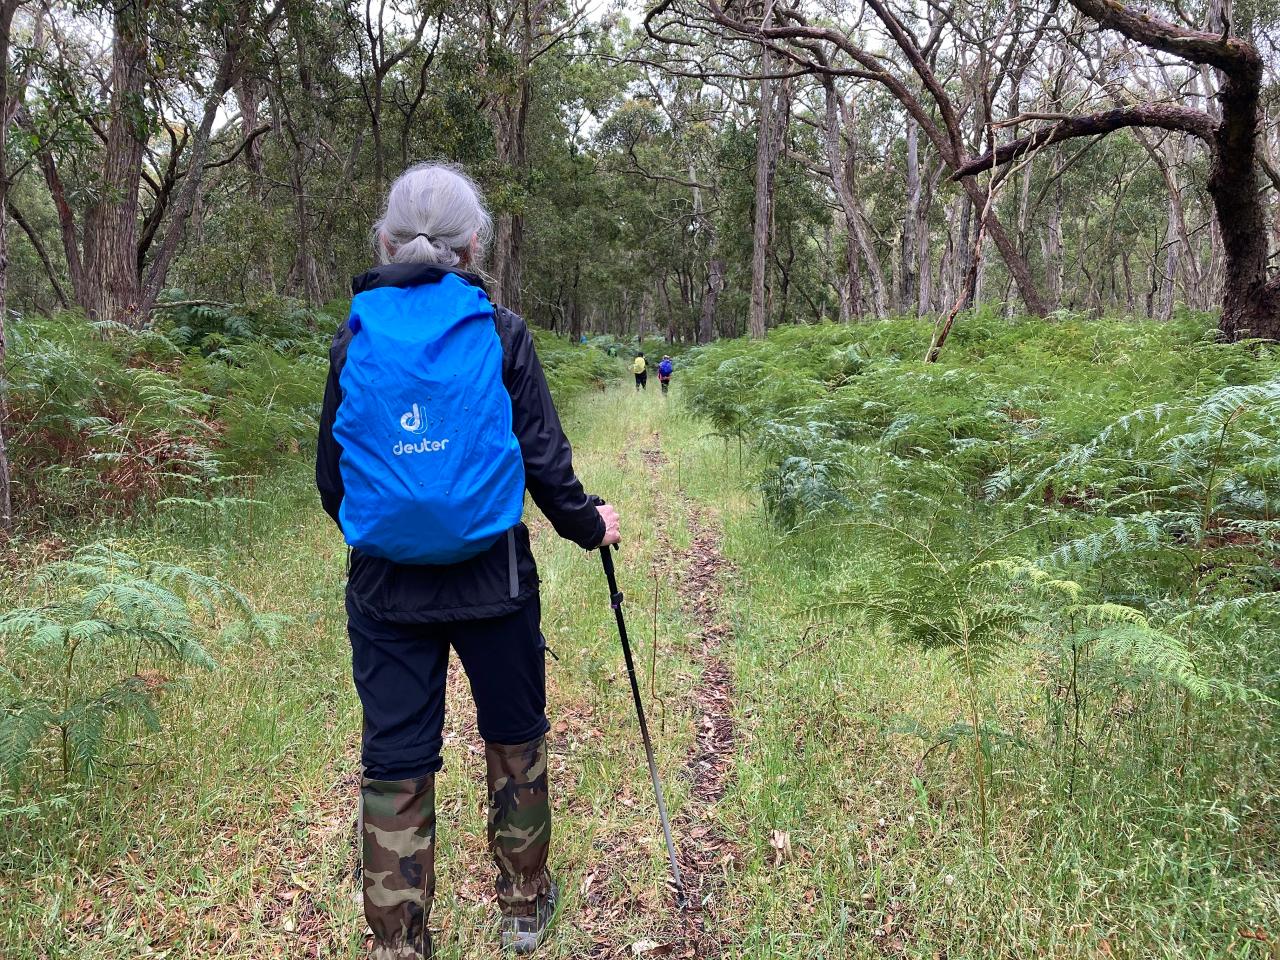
513,568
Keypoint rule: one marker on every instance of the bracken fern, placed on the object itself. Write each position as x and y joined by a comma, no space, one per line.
92,652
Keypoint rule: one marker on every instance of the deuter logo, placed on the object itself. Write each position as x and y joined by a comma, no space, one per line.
422,446
414,421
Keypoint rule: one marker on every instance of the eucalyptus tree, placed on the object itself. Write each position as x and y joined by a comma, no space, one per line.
514,36
1229,129
311,99
385,34
910,52
8,8
93,117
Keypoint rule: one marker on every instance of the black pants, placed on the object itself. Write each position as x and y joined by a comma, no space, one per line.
642,380
666,383
400,670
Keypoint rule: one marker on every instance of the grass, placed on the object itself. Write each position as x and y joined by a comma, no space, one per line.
888,853
229,833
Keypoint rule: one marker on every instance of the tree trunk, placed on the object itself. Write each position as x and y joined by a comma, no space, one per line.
37,244
248,91
508,245
924,267
227,69
875,273
1051,245
575,309
1015,261
710,299
964,252
304,274
907,274
771,131
511,121
7,10
1250,306
842,163
68,231
1169,275
942,326
706,228
765,167
111,226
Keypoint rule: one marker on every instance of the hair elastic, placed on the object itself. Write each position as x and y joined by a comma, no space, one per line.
426,236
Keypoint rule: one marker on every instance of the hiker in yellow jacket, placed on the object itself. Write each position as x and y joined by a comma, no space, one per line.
640,369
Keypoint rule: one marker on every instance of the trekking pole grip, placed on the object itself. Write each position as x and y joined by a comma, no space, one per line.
607,560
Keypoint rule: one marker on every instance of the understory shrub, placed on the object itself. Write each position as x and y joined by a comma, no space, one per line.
111,633
1095,499
104,418
572,368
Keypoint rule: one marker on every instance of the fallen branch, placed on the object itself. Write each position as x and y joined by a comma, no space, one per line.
170,304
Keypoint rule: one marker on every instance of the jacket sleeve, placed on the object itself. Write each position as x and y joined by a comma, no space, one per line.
548,458
328,450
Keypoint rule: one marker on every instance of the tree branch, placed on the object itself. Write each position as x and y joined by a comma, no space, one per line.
1185,119
1227,54
244,145
40,250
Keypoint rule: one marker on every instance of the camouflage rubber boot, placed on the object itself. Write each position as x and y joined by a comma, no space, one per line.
524,934
519,838
399,865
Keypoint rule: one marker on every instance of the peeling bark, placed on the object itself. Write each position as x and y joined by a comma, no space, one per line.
113,284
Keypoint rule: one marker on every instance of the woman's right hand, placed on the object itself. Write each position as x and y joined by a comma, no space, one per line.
612,533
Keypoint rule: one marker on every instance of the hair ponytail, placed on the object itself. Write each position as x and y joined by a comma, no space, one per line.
435,213
421,249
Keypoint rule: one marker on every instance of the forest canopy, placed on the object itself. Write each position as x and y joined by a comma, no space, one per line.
693,168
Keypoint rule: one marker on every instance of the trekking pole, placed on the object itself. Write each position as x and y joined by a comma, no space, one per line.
615,596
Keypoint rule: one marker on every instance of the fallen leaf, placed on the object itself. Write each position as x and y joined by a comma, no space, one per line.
780,840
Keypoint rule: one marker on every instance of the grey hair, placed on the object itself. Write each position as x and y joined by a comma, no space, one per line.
433,212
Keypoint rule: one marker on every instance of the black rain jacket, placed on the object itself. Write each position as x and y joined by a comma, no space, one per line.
483,586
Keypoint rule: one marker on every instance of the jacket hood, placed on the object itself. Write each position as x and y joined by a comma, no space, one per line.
409,275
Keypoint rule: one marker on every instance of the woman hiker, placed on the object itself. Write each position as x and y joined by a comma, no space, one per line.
436,420
664,373
638,367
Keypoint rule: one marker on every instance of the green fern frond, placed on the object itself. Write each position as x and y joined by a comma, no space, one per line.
21,730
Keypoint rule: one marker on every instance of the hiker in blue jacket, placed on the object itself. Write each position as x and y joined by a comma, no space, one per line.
664,373
436,420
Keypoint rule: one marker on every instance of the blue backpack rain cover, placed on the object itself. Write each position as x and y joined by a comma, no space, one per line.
431,469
